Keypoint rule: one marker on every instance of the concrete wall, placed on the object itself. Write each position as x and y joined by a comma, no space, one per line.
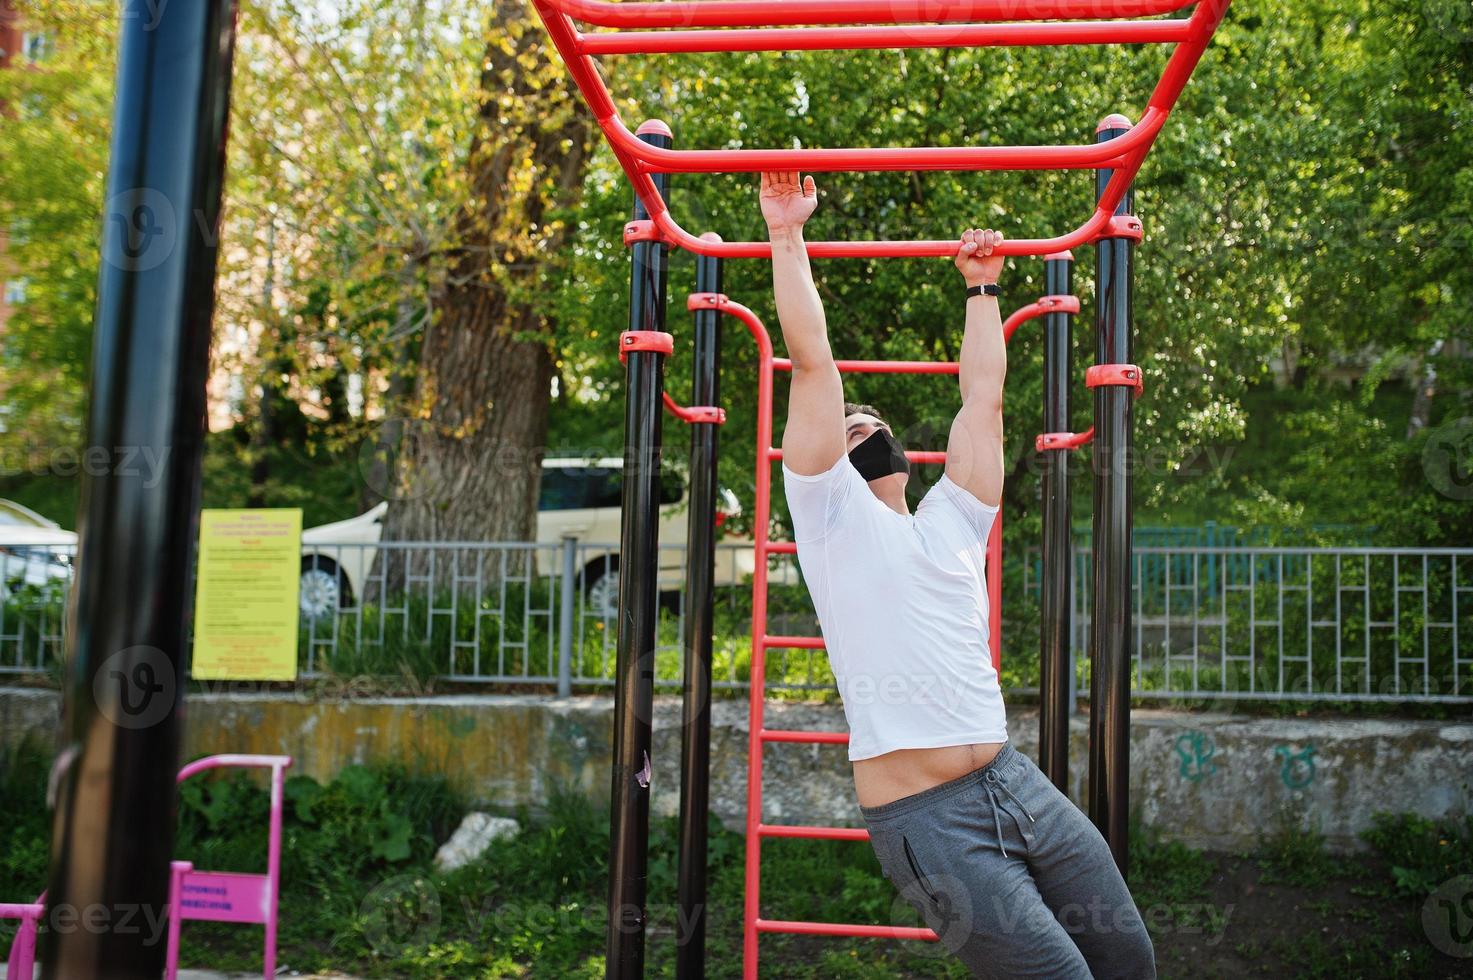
1218,781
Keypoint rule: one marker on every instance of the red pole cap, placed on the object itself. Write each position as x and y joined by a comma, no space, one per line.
658,127
1066,255
710,236
1114,121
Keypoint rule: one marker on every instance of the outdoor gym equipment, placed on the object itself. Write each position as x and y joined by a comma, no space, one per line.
648,158
151,358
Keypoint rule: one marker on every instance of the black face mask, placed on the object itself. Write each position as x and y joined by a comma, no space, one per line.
879,455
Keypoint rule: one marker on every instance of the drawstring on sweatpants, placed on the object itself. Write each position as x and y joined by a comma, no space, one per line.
992,787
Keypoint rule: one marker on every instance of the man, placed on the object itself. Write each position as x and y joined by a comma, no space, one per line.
1013,878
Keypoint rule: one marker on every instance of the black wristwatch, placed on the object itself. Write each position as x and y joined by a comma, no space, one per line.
986,288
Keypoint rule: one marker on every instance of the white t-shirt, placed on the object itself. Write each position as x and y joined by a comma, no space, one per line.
902,602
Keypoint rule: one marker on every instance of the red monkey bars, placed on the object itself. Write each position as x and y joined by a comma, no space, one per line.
647,157
897,28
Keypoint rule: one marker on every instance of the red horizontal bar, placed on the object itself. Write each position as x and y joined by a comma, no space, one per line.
845,929
824,738
813,833
793,642
1086,233
885,37
635,156
879,367
922,456
783,547
762,13
1076,156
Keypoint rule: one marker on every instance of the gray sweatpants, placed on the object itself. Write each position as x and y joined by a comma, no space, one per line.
1011,876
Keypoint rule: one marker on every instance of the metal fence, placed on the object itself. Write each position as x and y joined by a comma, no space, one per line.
1312,624
1236,623
513,612
502,612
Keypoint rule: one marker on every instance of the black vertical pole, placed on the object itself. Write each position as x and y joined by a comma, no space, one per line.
700,570
634,688
1058,563
113,832
1109,707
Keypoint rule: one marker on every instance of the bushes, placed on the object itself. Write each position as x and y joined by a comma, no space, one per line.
1422,853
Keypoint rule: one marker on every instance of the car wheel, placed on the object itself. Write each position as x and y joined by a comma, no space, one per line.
601,588
324,590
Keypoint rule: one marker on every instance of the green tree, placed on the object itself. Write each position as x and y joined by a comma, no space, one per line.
54,128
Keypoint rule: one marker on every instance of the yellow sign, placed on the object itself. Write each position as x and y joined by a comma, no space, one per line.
246,604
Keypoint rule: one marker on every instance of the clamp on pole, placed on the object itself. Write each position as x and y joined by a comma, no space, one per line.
1099,376
1126,226
1063,440
643,230
705,301
655,341
1107,375
659,342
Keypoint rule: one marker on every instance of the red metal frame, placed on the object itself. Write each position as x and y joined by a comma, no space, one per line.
768,25
1123,154
762,641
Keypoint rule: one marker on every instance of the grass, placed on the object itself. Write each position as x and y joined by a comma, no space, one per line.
1296,855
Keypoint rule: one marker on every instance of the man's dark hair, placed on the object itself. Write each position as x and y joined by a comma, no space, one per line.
854,408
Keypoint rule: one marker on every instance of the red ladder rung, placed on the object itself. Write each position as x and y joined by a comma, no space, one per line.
845,929
793,642
811,832
770,13
879,367
872,37
793,735
781,547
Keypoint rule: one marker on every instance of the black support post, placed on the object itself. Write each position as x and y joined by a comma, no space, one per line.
113,832
700,570
1110,643
638,600
1058,562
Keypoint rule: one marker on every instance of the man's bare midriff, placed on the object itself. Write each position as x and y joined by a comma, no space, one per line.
904,772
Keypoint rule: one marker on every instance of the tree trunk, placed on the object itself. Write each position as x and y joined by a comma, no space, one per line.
471,460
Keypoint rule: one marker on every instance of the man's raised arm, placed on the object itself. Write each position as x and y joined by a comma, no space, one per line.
813,440
974,450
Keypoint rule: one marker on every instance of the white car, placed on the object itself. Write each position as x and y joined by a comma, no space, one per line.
580,498
34,550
